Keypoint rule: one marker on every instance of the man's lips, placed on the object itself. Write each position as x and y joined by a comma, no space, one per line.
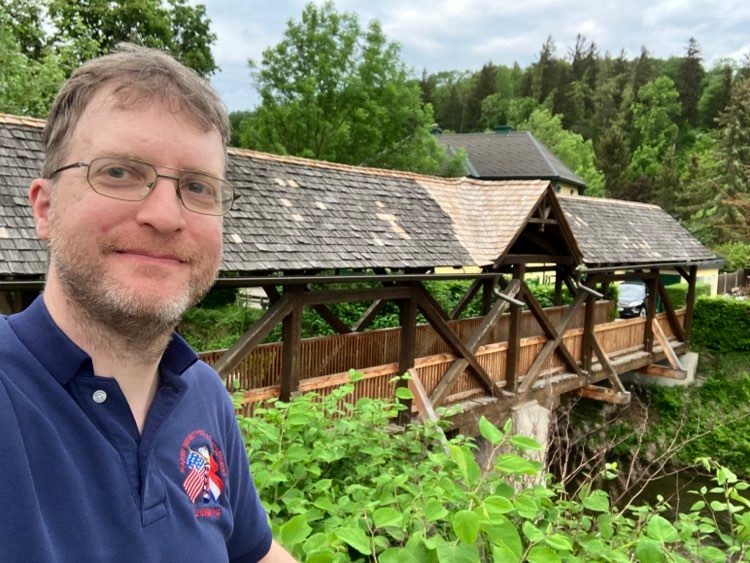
152,257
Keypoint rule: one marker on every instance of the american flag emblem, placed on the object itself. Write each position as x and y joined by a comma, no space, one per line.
203,478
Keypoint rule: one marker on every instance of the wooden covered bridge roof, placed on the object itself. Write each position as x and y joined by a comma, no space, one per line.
297,215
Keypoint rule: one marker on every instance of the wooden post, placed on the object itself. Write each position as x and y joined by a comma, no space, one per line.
588,333
559,273
292,345
690,302
487,287
648,333
408,320
514,338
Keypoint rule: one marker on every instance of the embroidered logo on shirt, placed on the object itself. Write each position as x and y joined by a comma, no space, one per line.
202,463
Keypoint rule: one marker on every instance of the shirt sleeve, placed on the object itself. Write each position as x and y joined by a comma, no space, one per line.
251,536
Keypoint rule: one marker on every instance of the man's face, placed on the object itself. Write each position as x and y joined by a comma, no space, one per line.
145,261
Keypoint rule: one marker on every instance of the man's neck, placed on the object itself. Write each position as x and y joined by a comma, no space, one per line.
132,363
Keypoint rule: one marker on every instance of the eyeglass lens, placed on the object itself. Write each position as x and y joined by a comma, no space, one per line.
132,180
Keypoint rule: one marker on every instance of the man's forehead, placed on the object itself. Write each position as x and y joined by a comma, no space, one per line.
110,103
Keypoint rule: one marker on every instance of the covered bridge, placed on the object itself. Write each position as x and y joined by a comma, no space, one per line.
302,225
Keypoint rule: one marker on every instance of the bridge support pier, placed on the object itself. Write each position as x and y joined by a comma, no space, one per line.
532,419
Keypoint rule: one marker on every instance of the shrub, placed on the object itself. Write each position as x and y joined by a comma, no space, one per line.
678,293
722,324
339,486
737,255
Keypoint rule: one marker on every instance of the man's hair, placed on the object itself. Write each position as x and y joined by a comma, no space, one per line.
136,75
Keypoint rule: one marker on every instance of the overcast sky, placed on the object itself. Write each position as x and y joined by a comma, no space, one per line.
465,34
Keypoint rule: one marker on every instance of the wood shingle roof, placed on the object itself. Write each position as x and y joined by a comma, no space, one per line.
616,232
297,215
515,155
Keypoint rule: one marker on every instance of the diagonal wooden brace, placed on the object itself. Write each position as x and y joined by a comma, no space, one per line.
612,375
461,363
555,335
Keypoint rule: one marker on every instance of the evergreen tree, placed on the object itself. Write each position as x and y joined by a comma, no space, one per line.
689,82
724,216
715,95
483,84
612,158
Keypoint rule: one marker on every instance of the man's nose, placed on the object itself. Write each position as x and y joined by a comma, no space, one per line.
162,208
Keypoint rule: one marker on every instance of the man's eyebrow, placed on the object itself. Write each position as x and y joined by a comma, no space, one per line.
134,156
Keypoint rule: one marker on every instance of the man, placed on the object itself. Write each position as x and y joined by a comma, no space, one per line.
116,443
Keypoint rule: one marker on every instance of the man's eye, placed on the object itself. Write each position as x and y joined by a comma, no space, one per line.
200,189
117,173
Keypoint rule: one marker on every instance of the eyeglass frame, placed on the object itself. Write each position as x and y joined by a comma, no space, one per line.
87,165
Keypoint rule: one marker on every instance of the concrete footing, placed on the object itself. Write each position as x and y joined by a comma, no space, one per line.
689,361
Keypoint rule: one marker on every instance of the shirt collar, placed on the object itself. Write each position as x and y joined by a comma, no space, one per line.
60,356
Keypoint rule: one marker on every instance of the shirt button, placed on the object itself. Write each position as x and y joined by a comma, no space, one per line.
99,396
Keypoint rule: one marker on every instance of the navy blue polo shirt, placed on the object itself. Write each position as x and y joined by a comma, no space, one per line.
81,484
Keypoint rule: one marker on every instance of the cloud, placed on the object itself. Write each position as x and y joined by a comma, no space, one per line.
464,34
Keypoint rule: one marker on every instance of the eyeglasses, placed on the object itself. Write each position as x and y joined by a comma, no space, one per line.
130,179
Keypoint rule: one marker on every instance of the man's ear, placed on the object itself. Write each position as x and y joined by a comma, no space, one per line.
40,197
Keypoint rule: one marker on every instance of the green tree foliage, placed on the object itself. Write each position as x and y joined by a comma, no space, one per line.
41,42
689,82
576,152
654,113
25,61
612,158
335,91
176,26
721,209
716,93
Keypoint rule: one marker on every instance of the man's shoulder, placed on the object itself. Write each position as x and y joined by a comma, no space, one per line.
205,378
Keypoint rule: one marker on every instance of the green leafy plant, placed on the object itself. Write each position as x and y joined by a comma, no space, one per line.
340,483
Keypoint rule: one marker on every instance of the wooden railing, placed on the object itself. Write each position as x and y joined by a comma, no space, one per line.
375,353
334,354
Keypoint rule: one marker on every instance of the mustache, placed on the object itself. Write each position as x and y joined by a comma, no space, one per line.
151,246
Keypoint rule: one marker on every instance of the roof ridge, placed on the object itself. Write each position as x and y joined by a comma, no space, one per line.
541,148
339,166
609,200
21,120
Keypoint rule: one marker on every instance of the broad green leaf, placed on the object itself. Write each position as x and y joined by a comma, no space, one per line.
532,533
504,534
515,465
388,516
559,542
464,458
320,556
355,375
354,537
711,553
466,526
648,551
489,431
433,511
404,393
526,506
459,553
497,504
294,531
542,554
698,506
659,528
605,526
503,553
524,442
598,501
592,545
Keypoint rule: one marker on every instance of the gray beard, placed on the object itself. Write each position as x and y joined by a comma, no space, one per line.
113,318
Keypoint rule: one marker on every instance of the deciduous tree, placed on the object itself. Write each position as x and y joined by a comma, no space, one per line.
334,91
